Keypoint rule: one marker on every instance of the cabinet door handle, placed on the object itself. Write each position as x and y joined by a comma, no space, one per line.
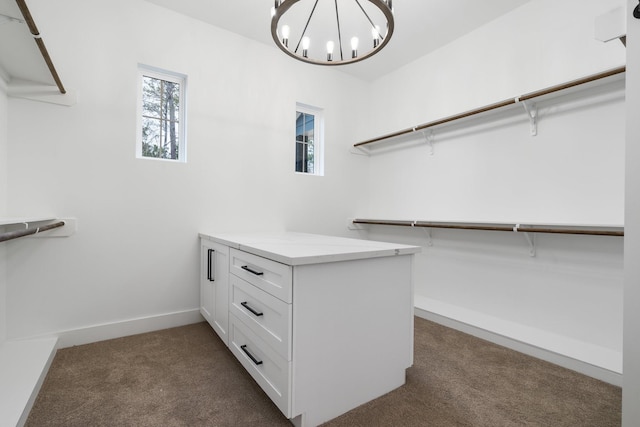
246,305
210,266
257,273
251,356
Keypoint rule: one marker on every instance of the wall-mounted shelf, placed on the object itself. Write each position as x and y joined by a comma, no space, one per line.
26,13
23,368
526,101
27,220
522,228
26,68
14,228
527,230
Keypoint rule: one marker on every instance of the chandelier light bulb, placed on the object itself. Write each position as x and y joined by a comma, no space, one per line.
305,46
330,50
344,27
375,33
285,35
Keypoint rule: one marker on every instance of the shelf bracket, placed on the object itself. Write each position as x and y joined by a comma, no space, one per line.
428,232
359,151
531,239
428,137
353,226
532,111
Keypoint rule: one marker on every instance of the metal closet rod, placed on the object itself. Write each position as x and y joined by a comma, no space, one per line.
498,105
43,50
10,235
595,231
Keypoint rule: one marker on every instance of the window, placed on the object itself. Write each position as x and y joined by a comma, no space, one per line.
309,140
161,114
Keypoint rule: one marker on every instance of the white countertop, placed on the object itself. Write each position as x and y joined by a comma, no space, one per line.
300,248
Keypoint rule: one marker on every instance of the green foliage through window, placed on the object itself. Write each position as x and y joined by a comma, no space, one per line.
160,118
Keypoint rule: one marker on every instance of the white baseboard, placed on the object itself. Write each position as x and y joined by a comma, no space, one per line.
572,363
128,327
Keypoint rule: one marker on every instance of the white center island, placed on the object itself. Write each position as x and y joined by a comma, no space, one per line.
323,324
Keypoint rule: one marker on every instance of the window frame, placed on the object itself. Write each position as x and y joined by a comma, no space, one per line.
169,76
318,142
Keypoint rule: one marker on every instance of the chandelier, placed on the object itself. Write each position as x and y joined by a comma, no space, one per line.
321,32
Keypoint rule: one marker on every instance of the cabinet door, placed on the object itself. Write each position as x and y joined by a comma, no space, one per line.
214,287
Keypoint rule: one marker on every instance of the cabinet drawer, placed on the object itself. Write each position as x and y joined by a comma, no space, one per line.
270,370
270,276
264,314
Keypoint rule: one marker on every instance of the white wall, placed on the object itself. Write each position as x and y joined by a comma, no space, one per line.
568,298
135,252
3,206
539,44
631,390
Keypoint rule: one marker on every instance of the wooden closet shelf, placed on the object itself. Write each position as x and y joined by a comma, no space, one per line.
498,105
518,228
10,235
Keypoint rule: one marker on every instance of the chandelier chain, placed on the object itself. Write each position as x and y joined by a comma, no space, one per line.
305,26
339,32
370,21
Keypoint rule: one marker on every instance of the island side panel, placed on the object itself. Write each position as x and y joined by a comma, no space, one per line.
352,333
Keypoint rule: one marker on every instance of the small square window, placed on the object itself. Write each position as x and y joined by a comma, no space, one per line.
161,115
309,140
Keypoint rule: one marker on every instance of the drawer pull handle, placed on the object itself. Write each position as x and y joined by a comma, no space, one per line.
251,356
210,266
246,305
257,273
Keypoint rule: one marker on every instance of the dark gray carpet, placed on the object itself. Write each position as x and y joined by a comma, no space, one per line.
187,377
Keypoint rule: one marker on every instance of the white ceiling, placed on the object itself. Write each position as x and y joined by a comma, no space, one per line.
421,26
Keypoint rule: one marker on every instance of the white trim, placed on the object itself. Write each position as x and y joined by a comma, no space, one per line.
571,363
128,327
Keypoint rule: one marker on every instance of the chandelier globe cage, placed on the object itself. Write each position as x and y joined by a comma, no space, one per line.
332,32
